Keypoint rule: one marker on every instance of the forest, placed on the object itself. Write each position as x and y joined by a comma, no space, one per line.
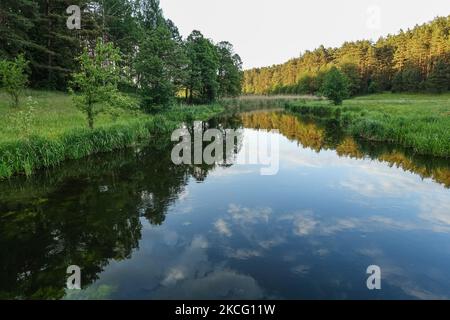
118,71
415,60
155,61
324,166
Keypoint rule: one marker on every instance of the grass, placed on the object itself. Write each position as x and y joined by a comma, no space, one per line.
55,131
417,121
54,114
258,102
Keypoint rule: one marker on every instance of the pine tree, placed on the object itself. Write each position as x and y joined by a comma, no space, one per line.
156,66
439,79
398,62
354,79
17,18
229,70
202,85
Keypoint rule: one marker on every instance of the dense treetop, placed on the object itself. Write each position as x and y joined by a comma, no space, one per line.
412,60
157,62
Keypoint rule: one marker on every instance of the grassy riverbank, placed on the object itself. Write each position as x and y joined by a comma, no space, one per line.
54,130
259,102
418,121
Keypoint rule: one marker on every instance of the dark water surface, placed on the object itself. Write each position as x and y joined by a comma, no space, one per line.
141,227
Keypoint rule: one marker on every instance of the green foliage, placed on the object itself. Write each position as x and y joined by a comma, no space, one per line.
408,80
13,77
43,136
306,85
158,64
370,66
202,85
229,70
96,82
14,28
335,86
23,119
420,122
374,87
351,71
439,79
156,61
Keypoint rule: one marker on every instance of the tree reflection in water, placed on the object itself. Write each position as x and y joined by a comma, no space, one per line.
88,212
328,136
84,213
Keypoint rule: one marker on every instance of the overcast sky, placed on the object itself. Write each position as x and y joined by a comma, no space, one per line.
266,32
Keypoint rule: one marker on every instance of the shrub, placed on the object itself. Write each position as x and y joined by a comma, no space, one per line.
335,86
13,77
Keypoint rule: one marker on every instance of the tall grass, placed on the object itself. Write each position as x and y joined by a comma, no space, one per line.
256,102
59,132
421,122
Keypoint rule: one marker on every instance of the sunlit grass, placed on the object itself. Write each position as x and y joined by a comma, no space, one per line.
54,114
419,121
57,131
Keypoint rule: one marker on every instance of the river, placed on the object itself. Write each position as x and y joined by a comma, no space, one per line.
141,227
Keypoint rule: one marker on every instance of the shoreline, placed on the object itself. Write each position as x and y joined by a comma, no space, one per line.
36,152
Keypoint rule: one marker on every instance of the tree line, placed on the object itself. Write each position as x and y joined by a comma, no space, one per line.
410,61
155,61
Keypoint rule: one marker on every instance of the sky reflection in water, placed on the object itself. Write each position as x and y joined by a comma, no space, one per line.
228,232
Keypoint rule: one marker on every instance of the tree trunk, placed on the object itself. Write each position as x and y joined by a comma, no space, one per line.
49,43
16,100
90,116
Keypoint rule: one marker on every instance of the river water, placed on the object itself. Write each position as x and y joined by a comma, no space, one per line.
141,227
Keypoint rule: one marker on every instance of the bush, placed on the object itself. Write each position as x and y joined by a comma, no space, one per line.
13,77
335,86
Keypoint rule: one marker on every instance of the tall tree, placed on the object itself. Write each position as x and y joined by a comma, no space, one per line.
157,65
94,87
229,70
354,79
17,18
439,79
201,84
399,62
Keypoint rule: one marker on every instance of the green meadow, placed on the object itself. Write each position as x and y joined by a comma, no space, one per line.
49,130
418,121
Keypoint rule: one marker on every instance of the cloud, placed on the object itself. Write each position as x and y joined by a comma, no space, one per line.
400,278
304,225
236,169
304,222
301,269
340,225
322,252
270,243
436,210
243,254
370,252
181,270
222,227
173,276
218,284
246,215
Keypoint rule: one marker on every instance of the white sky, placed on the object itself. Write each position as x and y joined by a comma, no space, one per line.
266,32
